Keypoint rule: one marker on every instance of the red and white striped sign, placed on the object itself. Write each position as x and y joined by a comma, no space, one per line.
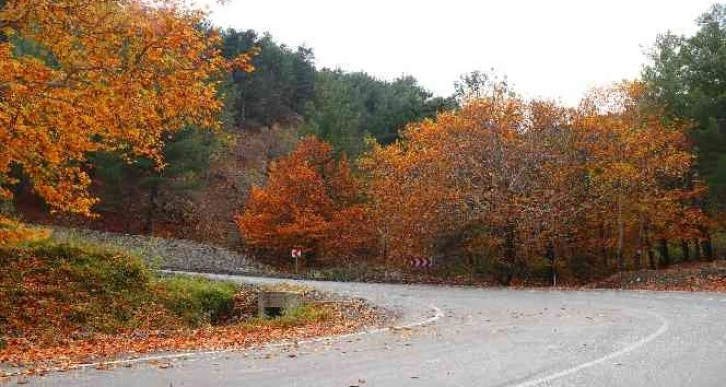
422,262
296,253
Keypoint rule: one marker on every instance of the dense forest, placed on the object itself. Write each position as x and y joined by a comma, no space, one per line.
339,107
208,174
277,153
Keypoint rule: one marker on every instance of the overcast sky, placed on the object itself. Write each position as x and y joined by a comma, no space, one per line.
547,48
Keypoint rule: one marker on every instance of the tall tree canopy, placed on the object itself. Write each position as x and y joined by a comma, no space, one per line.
347,107
281,86
505,182
79,76
688,76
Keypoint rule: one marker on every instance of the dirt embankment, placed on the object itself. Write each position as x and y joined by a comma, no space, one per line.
691,276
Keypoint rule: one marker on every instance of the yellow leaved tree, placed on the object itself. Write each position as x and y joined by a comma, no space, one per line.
78,76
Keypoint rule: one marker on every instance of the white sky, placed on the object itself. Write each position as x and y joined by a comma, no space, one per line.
547,48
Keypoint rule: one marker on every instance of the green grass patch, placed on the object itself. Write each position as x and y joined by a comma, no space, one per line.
197,300
304,314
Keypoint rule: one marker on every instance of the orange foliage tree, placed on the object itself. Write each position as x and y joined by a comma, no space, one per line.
79,76
507,182
636,164
310,201
466,183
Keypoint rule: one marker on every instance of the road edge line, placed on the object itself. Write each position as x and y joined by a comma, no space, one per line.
629,348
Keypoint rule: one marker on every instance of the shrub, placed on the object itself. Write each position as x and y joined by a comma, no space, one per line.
13,232
308,313
197,300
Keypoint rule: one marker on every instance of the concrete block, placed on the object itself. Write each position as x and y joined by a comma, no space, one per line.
273,304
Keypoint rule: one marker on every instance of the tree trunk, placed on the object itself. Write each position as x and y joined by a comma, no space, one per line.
665,256
708,247
151,213
696,250
706,244
641,245
510,264
621,238
651,259
685,250
385,246
649,249
551,258
509,246
603,247
243,106
638,259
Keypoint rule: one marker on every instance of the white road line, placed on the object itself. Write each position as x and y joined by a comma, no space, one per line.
437,315
663,328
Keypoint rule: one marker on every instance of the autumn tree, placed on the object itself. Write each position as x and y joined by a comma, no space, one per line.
636,161
450,178
310,201
511,185
477,85
82,76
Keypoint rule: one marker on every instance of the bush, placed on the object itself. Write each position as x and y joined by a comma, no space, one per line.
301,315
197,300
306,313
13,232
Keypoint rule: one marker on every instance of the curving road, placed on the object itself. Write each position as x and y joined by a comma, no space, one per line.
475,337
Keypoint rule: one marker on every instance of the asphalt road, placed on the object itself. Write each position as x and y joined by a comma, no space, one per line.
475,337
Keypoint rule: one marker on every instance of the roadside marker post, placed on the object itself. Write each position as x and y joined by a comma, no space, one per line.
296,254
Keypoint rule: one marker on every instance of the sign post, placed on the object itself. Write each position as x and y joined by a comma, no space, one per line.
296,254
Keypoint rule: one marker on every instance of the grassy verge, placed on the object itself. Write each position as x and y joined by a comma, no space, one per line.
197,301
51,292
62,304
294,317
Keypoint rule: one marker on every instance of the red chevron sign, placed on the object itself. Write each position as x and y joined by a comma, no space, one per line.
422,262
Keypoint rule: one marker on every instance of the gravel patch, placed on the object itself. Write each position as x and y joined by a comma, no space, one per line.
168,253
